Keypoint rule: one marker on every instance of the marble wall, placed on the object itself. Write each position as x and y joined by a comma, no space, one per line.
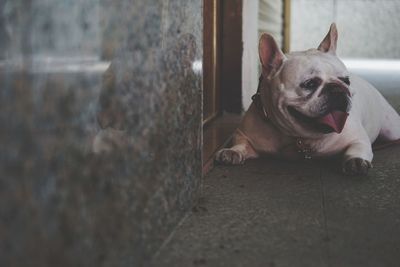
101,128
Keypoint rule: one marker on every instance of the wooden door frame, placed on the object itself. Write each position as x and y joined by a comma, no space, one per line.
222,57
232,53
222,73
211,59
286,25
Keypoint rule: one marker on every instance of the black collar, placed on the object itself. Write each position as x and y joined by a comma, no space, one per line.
257,101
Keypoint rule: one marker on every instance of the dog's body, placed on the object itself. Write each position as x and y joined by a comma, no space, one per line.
310,106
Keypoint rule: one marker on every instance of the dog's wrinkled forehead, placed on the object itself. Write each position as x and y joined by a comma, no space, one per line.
311,63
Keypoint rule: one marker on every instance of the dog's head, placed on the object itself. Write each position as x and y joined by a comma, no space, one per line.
305,93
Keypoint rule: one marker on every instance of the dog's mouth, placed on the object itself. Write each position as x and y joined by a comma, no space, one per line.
331,120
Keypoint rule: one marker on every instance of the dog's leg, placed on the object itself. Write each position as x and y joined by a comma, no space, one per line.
358,157
238,153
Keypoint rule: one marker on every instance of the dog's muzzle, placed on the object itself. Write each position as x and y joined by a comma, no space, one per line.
338,106
335,111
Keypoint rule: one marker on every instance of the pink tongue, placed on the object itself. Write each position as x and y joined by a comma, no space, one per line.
336,120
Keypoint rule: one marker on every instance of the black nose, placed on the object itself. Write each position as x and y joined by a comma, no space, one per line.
334,88
338,100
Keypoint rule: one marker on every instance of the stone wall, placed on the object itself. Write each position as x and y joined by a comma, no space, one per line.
60,203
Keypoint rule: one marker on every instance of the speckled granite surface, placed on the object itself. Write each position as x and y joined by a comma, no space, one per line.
61,204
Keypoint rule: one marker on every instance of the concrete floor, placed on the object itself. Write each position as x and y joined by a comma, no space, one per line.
274,213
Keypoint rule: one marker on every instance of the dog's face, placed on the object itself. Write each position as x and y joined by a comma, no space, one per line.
306,93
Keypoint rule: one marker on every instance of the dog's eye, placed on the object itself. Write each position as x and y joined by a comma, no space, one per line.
311,84
346,80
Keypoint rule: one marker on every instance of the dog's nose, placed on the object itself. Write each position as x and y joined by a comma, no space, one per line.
335,87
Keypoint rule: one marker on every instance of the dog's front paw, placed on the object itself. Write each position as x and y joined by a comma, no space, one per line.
356,166
229,156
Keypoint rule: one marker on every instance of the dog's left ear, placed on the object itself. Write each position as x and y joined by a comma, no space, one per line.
328,45
271,56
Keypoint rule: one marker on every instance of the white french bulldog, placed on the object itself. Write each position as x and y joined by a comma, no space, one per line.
309,105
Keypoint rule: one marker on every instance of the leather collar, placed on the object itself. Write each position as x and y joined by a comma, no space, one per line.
257,101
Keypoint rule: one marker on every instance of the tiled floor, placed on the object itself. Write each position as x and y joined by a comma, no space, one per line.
275,213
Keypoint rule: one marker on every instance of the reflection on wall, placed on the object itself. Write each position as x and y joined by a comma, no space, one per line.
65,202
53,28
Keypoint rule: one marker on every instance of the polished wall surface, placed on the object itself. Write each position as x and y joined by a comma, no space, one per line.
100,107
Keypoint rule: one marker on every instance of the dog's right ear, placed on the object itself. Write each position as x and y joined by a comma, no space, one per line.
328,45
271,56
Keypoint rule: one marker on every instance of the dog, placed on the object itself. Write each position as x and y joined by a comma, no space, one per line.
308,105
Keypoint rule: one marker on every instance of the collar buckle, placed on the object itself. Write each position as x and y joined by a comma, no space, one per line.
304,149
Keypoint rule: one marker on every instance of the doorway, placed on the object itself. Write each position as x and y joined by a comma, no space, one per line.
230,62
222,73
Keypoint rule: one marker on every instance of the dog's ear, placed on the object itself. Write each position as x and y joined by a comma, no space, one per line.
271,56
328,45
